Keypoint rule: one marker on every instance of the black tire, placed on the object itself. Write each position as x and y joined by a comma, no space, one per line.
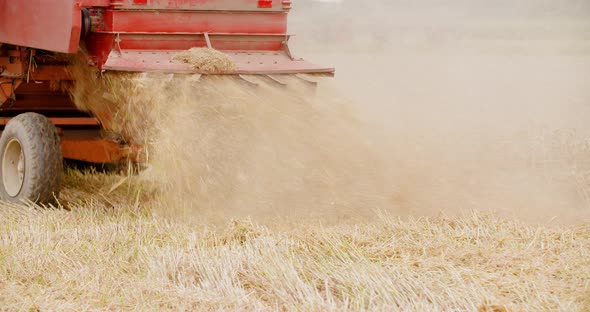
38,174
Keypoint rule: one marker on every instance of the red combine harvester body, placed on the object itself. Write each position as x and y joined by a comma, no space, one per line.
39,121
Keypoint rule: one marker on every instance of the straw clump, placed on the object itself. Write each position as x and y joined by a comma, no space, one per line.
114,98
206,60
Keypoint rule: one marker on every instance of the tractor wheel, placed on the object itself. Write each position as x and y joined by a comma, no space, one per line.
31,164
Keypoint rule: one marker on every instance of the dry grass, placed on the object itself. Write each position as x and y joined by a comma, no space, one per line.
113,253
112,98
206,60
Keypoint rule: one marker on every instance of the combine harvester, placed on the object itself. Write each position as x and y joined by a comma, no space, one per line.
41,125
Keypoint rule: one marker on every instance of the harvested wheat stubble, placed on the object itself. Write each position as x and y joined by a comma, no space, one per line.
206,60
113,253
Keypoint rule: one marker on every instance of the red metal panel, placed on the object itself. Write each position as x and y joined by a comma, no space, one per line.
223,5
181,30
50,25
248,62
94,3
168,42
99,46
195,22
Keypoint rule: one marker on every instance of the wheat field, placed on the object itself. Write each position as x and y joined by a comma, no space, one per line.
104,252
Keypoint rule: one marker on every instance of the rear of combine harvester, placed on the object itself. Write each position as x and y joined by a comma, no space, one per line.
39,121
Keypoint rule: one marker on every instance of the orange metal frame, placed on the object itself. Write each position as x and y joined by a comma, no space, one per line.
94,150
89,146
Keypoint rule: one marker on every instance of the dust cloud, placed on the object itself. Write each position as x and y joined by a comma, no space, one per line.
220,147
229,149
438,106
472,104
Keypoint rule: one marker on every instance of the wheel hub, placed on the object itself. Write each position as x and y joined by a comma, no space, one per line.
13,168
